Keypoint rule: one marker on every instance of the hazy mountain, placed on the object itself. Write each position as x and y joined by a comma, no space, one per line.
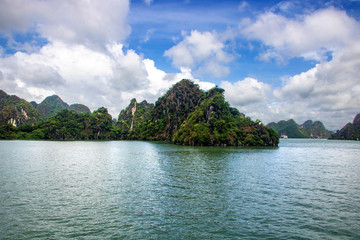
308,129
50,106
53,104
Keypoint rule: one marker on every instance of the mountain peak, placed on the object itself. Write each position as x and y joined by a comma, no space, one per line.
50,106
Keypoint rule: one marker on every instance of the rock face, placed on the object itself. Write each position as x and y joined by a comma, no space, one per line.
132,117
350,131
17,111
51,106
308,129
172,109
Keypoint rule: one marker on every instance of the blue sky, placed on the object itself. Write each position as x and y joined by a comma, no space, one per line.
275,59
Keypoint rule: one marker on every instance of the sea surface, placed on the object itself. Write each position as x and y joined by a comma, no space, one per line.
304,189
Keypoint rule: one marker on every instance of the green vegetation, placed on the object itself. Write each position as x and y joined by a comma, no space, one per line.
308,129
350,131
65,125
132,121
172,109
185,115
51,105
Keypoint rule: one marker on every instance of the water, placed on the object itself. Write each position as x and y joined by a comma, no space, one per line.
305,189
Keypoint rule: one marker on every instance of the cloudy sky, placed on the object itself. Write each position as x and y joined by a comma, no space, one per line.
275,59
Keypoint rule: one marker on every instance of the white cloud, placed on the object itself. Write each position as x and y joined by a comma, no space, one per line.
148,2
242,6
309,36
245,92
94,23
204,52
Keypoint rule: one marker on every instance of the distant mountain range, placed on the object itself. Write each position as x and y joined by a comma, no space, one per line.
308,129
17,111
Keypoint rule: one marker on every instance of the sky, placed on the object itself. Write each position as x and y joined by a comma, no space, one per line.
276,60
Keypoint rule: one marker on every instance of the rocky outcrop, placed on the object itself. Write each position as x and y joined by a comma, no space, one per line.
134,115
308,129
17,111
172,109
350,131
315,129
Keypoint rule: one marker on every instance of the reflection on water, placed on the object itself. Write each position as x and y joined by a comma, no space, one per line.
305,189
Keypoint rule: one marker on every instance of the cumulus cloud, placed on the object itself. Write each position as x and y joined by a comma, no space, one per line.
309,36
93,23
245,92
202,51
329,86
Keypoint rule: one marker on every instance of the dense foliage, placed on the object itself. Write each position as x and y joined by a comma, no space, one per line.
132,121
214,122
65,125
172,109
350,131
308,129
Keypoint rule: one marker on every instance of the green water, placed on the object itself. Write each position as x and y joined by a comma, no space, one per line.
305,189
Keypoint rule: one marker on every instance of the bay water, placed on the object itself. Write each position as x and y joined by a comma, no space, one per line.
303,189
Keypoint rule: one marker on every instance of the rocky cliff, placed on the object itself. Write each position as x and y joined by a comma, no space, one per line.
16,111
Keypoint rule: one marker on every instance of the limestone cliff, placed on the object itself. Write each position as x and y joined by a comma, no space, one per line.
16,111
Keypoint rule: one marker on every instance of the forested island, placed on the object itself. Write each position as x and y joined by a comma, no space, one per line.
185,115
